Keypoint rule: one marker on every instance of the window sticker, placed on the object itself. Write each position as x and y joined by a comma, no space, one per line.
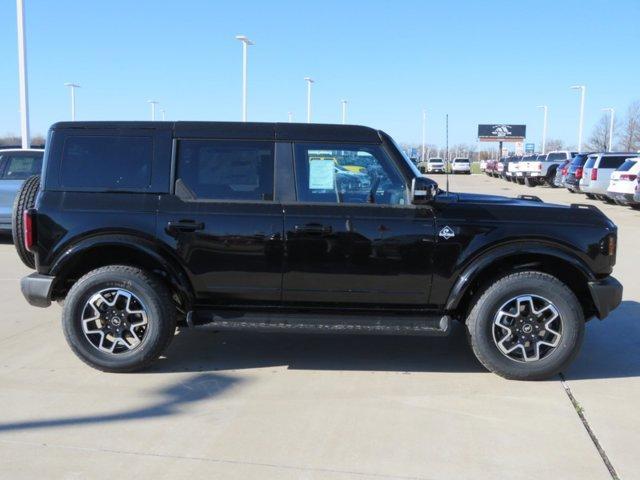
321,174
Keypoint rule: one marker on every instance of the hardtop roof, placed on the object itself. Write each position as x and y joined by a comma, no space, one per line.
239,130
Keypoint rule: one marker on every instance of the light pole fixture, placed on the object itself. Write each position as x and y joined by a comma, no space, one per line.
22,76
612,113
245,44
544,127
72,89
153,104
309,81
344,111
583,90
290,116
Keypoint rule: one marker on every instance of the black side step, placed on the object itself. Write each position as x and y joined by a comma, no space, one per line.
328,323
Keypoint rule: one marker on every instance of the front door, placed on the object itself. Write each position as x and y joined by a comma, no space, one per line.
223,222
352,238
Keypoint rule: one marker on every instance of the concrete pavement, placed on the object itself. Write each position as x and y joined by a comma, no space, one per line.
232,405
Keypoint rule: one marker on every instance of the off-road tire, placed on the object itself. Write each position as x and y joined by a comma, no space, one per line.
25,199
489,301
161,312
530,183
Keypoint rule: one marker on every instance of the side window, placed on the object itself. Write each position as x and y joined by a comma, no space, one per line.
21,167
347,174
225,170
118,162
611,162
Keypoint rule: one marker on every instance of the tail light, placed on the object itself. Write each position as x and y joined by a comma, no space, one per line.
564,171
28,226
628,176
539,166
594,174
578,173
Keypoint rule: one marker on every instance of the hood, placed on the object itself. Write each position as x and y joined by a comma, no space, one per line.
529,208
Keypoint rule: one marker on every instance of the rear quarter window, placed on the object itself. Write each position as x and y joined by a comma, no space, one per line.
22,166
110,162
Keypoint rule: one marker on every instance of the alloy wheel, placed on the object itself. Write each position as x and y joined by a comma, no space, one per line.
527,328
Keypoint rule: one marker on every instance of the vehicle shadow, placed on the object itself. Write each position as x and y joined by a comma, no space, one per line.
204,349
6,239
173,400
610,348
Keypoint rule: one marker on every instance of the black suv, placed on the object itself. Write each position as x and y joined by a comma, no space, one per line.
138,227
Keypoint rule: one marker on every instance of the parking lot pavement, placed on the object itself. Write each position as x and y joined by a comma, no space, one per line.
231,405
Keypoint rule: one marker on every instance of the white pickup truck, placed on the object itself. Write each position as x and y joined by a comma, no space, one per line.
543,168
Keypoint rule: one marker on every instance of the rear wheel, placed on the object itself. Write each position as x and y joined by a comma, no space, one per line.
530,182
118,318
526,326
591,196
25,199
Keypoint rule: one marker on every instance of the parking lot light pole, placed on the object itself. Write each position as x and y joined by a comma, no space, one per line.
290,116
582,89
344,111
424,132
612,113
153,104
22,74
72,89
245,44
309,81
162,113
544,127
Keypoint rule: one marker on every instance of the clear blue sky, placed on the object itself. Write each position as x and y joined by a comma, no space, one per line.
479,61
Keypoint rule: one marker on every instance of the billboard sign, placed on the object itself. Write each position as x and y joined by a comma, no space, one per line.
501,132
529,147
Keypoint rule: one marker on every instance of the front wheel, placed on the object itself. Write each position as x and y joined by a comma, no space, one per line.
526,326
118,318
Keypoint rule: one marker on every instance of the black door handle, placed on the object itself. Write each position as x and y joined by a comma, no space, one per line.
313,228
184,226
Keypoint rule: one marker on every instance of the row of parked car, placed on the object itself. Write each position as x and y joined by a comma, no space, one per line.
438,165
609,176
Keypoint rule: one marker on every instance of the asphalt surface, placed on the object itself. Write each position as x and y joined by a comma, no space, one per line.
278,406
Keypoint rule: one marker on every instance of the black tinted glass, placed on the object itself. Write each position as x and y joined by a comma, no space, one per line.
556,156
21,167
611,162
116,162
226,170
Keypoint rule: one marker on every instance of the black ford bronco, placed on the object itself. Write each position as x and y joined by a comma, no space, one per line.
140,227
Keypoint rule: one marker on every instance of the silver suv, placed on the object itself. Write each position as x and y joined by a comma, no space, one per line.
15,167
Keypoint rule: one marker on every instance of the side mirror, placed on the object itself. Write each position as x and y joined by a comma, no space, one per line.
422,191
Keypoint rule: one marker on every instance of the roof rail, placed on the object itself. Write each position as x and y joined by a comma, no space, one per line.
531,198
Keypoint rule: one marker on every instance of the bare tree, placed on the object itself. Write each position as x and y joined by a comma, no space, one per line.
599,140
630,136
554,144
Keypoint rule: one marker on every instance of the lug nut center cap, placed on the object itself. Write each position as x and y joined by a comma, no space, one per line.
527,328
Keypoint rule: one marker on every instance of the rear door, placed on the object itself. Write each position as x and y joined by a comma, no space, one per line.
223,221
353,239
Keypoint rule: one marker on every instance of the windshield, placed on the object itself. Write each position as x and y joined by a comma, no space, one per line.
412,166
460,160
435,160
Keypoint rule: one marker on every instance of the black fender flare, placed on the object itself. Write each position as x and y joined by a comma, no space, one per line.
144,246
476,266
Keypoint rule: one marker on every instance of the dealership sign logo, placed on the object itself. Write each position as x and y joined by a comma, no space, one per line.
501,130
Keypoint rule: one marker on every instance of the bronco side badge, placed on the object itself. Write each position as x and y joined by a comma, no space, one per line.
446,233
